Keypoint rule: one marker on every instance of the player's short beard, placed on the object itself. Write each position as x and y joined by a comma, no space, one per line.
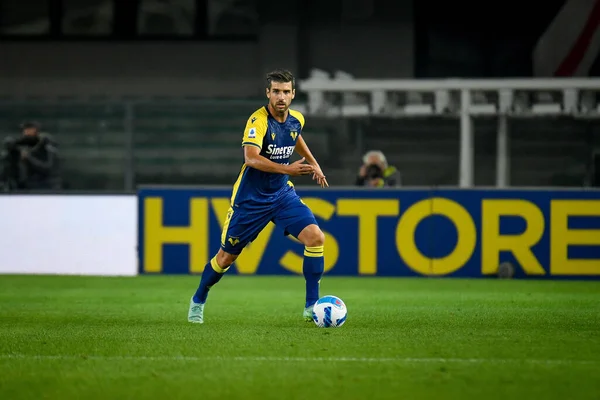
277,109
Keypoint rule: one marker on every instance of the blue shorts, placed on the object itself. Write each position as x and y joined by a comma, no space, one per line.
243,226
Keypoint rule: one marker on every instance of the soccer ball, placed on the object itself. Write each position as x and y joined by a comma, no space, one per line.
329,312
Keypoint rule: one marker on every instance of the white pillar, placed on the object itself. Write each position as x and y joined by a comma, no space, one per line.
502,153
466,140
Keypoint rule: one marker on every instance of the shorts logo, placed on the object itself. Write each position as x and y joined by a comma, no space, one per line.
234,240
252,133
294,135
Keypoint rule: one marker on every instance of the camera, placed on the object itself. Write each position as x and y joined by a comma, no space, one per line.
374,172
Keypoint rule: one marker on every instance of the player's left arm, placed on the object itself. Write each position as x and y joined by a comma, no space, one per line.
304,151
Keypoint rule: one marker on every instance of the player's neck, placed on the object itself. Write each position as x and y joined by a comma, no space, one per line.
279,116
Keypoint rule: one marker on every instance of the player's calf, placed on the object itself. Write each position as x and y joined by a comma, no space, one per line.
313,239
212,274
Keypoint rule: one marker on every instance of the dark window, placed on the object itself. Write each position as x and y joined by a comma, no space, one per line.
87,17
24,18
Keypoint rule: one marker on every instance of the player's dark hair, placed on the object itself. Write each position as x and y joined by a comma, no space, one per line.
280,76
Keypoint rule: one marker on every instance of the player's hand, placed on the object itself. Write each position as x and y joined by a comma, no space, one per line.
319,177
377,182
362,172
299,168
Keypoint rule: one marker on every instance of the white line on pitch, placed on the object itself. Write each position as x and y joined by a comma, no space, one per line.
405,360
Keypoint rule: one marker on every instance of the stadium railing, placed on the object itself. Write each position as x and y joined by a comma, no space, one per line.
465,99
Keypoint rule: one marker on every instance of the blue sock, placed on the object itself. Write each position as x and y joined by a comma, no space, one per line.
312,268
210,276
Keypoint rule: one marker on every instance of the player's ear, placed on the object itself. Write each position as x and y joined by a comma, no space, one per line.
293,93
268,93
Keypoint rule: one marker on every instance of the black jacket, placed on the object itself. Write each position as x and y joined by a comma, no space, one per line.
390,177
39,170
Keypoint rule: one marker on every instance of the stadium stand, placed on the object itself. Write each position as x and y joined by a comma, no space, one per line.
552,135
171,141
116,144
543,152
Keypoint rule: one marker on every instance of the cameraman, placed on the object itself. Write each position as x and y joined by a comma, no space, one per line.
30,162
375,171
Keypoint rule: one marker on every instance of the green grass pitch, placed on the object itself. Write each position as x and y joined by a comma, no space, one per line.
128,338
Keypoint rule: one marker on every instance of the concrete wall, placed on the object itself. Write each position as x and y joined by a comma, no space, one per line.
214,69
211,69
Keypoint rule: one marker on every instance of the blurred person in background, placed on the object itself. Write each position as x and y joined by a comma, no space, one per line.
375,171
30,162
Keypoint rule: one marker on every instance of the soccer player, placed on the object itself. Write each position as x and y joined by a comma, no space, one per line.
263,193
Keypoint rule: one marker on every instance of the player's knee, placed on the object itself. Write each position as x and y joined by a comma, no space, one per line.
319,238
225,259
313,236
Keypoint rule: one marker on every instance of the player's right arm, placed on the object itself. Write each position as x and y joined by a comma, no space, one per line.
253,159
254,135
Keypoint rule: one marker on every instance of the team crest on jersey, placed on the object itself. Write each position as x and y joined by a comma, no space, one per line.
273,135
294,135
252,133
234,240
